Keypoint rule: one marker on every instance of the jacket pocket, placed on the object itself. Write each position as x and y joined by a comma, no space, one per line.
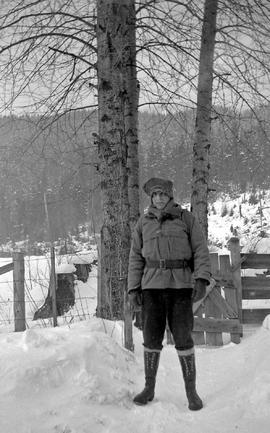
177,244
149,246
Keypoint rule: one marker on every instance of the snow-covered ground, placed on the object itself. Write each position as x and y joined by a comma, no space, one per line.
80,379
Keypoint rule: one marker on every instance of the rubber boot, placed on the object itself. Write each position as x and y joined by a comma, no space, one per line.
151,362
189,374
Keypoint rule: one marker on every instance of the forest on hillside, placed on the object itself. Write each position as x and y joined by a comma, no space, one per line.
50,166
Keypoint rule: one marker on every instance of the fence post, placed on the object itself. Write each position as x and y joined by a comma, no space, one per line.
211,310
53,287
128,334
18,292
99,291
230,291
234,248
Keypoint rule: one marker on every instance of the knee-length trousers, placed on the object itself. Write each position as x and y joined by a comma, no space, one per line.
172,306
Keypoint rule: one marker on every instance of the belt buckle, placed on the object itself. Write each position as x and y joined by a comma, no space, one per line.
162,264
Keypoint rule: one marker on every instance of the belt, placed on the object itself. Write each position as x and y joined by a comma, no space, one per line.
166,264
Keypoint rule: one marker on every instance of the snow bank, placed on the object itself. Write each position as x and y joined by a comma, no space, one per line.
80,379
45,369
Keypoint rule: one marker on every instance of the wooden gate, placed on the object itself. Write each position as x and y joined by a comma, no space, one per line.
218,311
226,306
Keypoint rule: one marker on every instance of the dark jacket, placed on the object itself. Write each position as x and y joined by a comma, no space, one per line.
166,235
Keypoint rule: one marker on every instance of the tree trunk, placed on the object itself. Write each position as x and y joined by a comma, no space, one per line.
200,177
131,120
131,128
117,136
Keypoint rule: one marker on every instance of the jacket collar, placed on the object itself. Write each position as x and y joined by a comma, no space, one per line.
172,210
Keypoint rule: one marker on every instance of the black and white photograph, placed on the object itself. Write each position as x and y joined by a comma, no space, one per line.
134,216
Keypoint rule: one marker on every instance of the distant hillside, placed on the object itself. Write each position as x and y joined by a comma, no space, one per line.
246,216
55,161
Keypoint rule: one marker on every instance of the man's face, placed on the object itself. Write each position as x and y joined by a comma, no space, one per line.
160,199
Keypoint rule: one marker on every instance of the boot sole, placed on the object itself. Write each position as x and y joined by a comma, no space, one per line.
194,408
143,404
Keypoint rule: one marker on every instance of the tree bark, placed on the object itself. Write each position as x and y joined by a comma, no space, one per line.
201,167
117,140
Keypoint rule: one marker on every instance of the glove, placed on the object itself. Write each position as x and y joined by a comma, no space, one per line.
199,289
135,300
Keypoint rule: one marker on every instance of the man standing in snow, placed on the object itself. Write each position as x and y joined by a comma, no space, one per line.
167,246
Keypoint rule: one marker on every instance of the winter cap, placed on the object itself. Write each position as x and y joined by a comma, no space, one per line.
156,184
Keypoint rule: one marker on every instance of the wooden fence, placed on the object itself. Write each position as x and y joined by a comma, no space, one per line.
221,310
17,266
255,287
218,311
250,288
